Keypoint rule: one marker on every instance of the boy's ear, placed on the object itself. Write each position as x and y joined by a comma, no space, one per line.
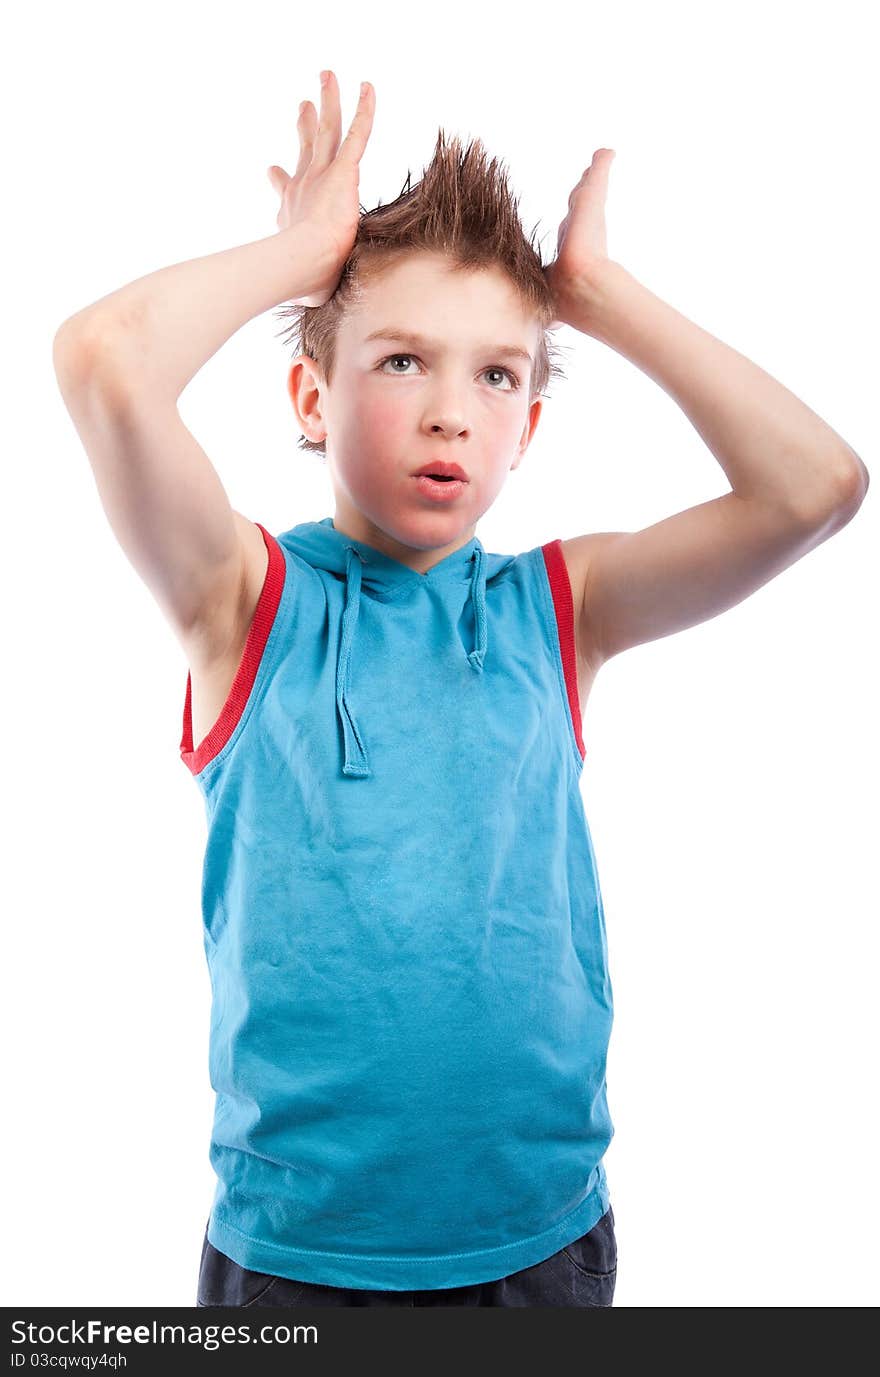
528,431
304,391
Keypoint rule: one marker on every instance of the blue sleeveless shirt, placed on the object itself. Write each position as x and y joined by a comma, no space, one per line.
402,920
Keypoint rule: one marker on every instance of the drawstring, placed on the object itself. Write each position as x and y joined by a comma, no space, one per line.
478,598
355,761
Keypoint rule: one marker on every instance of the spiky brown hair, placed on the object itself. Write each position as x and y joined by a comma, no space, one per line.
463,207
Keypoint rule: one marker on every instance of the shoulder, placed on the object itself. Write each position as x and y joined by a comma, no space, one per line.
580,551
256,556
222,630
579,554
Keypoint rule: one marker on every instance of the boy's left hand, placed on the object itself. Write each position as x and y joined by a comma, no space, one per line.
582,247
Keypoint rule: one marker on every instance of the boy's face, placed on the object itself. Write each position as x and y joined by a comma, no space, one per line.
397,403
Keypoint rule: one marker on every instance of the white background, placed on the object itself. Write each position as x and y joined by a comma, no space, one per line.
731,780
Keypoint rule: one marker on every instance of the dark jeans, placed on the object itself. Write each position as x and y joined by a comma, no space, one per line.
581,1274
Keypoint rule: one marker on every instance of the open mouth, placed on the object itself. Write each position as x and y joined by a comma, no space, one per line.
440,487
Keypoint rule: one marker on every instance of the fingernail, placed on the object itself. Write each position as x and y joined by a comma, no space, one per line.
325,77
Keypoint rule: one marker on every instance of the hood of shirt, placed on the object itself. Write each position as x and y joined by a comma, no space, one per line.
369,573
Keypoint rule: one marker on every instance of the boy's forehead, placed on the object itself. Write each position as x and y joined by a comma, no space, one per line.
424,277
425,300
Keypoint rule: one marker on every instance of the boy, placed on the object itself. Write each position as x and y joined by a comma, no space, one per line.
402,913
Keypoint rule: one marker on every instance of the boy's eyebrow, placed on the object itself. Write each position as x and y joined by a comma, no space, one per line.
422,342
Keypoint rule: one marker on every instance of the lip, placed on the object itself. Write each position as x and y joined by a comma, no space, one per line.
437,491
446,470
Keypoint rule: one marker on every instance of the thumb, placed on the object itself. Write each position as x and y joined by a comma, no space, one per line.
278,177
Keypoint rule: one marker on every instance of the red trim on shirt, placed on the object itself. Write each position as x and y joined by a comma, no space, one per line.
230,713
560,587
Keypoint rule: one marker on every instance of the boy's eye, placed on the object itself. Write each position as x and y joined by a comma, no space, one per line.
505,373
394,358
409,358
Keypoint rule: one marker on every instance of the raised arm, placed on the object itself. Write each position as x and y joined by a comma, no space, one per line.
794,481
123,362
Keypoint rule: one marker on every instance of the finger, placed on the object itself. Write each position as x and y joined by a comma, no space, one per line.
592,189
579,186
600,166
355,141
329,124
279,178
306,127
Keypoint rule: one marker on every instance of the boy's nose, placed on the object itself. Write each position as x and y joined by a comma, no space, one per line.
446,420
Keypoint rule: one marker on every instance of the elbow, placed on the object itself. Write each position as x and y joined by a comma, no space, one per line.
846,492
74,350
846,496
864,478
853,483
83,354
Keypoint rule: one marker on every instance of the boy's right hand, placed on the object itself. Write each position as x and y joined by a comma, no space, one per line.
320,201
